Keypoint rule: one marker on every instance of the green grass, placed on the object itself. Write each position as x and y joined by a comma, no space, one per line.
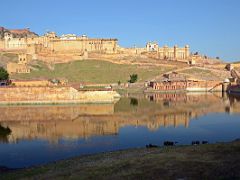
196,71
94,71
201,73
236,62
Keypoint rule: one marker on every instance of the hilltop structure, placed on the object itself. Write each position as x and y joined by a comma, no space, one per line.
21,66
26,40
170,53
50,47
53,49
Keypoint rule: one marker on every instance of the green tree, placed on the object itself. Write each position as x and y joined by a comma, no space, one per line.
133,78
3,74
119,82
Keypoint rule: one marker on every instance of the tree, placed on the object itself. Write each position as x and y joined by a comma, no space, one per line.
119,82
134,102
133,78
3,74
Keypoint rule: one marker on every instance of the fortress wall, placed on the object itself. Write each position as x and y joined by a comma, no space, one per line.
67,46
2,44
59,58
80,45
12,95
43,44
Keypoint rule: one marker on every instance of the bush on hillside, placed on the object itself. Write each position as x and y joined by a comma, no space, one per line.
133,78
3,74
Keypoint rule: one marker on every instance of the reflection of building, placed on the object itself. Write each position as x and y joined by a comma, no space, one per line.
83,121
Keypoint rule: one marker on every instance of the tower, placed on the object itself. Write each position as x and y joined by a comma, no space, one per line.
187,51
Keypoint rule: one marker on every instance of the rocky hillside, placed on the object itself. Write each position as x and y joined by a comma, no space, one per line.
17,33
6,58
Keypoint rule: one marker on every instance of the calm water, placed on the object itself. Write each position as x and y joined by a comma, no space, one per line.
32,135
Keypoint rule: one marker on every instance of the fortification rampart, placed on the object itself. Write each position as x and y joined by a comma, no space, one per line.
31,95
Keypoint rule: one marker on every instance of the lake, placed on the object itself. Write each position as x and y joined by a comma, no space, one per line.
33,135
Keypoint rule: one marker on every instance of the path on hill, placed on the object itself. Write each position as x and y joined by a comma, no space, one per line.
221,73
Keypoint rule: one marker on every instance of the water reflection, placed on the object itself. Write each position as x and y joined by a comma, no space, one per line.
53,123
4,133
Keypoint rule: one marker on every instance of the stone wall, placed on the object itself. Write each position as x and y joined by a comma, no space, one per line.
2,45
12,95
17,68
56,45
31,83
80,45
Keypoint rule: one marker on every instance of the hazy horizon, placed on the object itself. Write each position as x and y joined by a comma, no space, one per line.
209,27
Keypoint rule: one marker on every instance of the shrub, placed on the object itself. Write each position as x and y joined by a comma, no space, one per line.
133,78
3,74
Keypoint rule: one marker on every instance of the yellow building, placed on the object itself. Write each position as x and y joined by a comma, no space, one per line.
21,66
169,53
51,43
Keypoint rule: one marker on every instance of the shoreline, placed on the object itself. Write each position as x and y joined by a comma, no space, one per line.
186,162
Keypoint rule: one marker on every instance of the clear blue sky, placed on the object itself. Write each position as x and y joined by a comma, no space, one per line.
209,26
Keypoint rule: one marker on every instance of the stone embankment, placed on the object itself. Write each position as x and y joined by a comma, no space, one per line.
54,95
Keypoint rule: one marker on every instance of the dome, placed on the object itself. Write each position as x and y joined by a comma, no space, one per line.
226,81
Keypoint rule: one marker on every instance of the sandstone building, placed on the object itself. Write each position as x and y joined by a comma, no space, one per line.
169,53
51,43
21,66
52,48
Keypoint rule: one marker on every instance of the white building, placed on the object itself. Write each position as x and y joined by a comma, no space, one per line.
68,37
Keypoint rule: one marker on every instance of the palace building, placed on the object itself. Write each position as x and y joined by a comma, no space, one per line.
25,39
169,53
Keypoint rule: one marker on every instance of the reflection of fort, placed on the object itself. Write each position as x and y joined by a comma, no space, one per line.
82,121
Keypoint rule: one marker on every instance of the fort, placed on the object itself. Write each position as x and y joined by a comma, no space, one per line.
52,48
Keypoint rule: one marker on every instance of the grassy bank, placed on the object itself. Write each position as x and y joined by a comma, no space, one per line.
95,71
216,161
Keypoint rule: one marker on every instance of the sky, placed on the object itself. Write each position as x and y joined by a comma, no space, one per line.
210,27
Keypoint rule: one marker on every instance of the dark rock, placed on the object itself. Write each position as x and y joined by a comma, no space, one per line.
151,146
204,142
169,143
195,142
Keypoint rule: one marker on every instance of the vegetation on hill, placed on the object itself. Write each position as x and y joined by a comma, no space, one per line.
94,71
3,74
6,58
133,78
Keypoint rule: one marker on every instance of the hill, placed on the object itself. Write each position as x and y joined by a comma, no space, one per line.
6,58
94,71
